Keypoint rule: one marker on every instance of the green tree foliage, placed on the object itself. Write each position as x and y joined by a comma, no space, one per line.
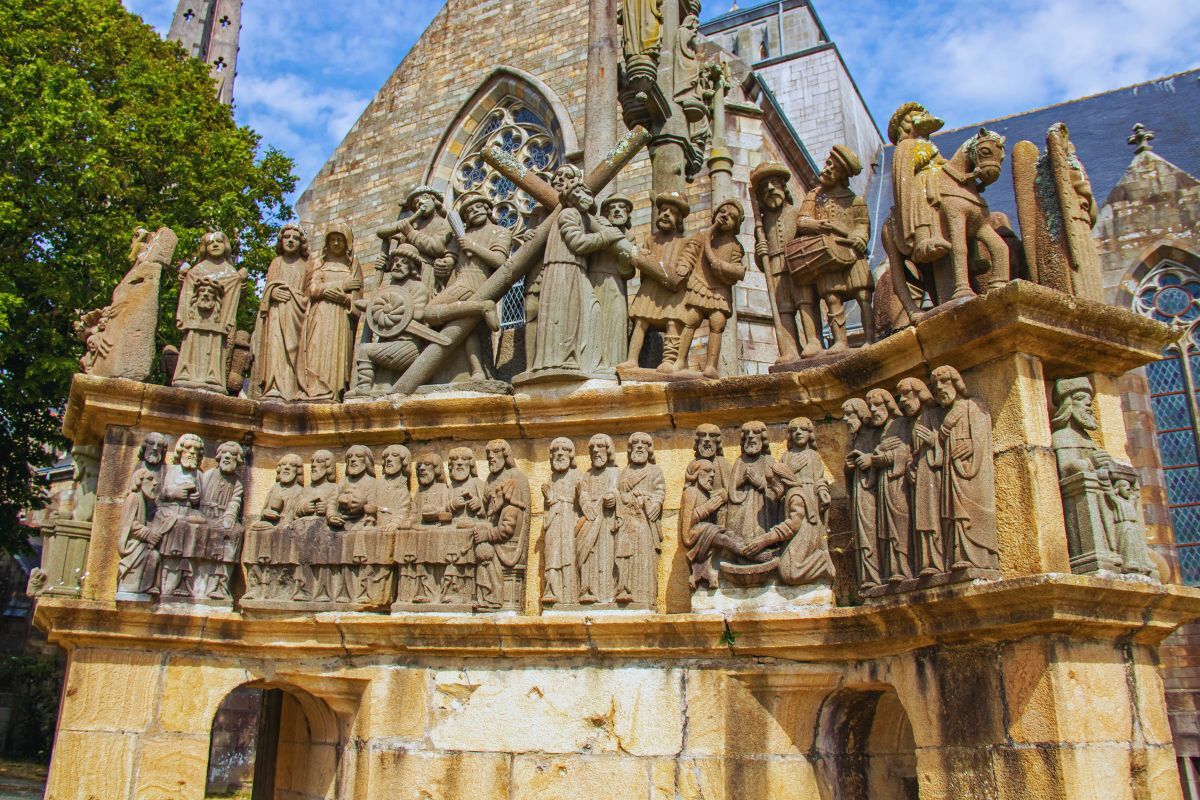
103,127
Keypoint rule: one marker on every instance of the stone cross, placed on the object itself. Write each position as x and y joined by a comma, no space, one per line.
527,255
1140,139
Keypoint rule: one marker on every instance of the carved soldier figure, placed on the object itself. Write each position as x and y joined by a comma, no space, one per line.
968,497
357,503
665,260
709,294
891,460
178,502
333,283
836,229
207,315
924,476
152,455
425,228
221,498
137,571
564,496
753,501
699,529
561,342
594,547
395,490
860,483
608,271
279,334
500,546
641,490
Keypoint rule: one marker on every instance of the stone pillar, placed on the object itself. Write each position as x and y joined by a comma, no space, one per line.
600,116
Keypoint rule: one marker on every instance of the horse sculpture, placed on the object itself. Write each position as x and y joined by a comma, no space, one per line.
953,190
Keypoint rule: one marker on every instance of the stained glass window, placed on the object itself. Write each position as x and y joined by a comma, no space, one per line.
1171,294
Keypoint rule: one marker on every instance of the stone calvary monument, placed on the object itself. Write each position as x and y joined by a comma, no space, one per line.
911,567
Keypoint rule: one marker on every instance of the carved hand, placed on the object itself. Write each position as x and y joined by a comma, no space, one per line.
352,285
761,253
864,461
721,496
610,501
474,504
924,435
280,294
963,449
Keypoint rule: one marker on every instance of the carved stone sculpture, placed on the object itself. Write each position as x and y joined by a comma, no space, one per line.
565,496
640,493
279,332
939,217
1057,210
708,444
395,487
924,476
594,552
709,296
430,542
861,478
1099,494
665,260
137,571
269,572
699,527
119,338
312,582
752,500
608,270
221,499
775,225
152,456
834,231
179,506
208,302
423,225
501,544
333,284
891,460
84,478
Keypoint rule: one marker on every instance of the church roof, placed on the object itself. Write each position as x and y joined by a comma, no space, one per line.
1099,125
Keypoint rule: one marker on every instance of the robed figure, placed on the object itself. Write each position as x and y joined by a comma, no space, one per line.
280,329
640,493
207,314
333,283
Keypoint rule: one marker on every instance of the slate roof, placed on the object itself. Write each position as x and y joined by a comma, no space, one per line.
1099,126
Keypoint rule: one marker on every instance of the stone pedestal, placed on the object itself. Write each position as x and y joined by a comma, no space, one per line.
1081,495
64,556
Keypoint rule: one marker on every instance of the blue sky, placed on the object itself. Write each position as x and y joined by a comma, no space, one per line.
305,73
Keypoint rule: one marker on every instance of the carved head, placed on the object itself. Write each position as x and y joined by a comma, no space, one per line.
641,449
229,457
754,439
214,245
800,433
565,176
670,211
580,196
189,449
499,456
948,385
841,165
881,406
912,395
728,216
293,241
359,461
769,183
208,294
1074,397
475,209
912,121
462,463
153,449
424,201
336,244
986,152
1123,487
430,469
601,450
289,469
707,443
618,210
146,482
395,460
404,262
562,454
854,413
701,473
321,468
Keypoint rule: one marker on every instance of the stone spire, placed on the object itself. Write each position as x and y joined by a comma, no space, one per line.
209,30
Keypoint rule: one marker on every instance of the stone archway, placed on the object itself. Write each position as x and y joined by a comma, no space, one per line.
864,748
277,741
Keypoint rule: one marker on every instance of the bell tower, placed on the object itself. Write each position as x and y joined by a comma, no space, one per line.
209,30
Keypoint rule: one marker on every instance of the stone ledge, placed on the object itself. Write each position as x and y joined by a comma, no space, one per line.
1061,605
1070,336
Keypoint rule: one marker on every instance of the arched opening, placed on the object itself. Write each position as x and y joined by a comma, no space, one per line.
270,743
864,749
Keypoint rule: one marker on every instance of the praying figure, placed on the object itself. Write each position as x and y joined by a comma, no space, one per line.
207,315
891,460
395,490
333,284
500,546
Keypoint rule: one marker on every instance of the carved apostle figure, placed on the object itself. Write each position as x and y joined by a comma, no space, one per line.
314,502
802,458
860,484
924,476
221,498
468,507
179,502
333,283
207,315
1104,527
709,296
395,489
500,545
594,545
804,558
968,496
608,271
775,225
699,527
916,159
280,505
708,444
641,490
665,260
564,496
891,460
357,503
561,343
835,230
753,501
267,549
424,227
152,456
137,571
433,490
120,337
279,333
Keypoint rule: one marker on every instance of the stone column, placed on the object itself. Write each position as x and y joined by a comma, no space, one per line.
600,116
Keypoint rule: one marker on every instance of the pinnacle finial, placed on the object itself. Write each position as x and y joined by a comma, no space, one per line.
1141,139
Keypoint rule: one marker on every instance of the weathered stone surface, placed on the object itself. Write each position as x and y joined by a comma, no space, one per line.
172,766
416,775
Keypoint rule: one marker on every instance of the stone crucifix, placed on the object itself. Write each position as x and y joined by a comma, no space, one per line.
527,255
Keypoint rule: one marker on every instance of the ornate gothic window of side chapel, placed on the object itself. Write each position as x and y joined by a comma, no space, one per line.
523,133
1171,293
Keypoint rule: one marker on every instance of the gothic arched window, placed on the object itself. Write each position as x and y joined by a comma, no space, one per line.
1170,293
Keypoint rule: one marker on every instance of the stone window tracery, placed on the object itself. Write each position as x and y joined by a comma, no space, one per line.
1170,293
